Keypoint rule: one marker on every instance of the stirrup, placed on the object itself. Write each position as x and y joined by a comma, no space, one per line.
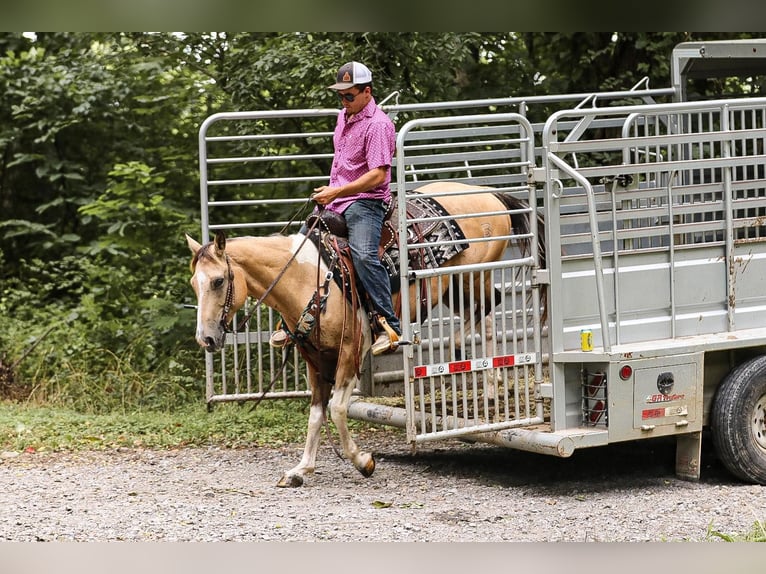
385,342
279,339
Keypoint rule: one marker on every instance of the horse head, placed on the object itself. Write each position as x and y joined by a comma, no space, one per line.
220,287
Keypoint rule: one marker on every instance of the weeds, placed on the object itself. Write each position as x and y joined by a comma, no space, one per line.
756,534
45,428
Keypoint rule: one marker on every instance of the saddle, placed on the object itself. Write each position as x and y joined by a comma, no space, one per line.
330,234
335,224
433,230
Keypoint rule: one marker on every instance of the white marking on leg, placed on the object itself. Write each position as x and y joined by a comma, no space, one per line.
308,460
361,460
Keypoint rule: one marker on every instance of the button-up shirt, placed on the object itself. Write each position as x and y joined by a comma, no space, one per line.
363,142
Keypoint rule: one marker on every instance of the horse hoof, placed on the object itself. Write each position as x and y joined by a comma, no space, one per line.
292,481
368,468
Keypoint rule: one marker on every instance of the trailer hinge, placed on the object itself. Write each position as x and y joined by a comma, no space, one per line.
540,277
536,175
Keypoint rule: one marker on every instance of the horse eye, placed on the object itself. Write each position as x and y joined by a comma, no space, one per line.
218,283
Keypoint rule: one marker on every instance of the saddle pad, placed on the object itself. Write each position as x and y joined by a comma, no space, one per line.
439,234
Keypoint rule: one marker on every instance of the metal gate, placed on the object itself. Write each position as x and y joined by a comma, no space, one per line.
464,379
247,187
244,190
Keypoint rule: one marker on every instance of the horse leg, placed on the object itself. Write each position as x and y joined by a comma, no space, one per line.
319,397
345,383
477,311
483,318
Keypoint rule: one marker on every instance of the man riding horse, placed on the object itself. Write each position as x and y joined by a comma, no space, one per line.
359,189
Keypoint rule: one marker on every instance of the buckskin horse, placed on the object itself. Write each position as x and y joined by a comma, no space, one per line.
281,272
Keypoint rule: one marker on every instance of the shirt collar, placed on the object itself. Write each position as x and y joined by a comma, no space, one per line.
366,112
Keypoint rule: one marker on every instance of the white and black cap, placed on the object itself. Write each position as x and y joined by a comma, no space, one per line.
351,74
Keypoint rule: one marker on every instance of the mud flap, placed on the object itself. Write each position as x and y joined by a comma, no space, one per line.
688,455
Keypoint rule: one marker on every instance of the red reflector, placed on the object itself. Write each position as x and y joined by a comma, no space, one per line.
503,361
626,371
652,413
420,372
460,367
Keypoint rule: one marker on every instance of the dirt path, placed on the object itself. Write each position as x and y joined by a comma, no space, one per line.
445,492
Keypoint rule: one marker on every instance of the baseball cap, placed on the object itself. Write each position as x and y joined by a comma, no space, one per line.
351,74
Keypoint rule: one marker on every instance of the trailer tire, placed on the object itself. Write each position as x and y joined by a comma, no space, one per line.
738,421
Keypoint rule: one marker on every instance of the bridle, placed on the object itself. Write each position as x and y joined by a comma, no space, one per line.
229,300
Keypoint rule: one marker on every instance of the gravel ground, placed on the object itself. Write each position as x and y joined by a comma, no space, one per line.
444,492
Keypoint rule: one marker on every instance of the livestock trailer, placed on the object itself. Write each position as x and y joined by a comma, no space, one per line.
638,312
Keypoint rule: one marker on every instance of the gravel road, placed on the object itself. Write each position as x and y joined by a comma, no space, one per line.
444,492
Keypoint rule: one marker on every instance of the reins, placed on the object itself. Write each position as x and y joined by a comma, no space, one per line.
230,287
248,316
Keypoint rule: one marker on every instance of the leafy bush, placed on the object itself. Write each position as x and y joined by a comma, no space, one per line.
108,342
115,333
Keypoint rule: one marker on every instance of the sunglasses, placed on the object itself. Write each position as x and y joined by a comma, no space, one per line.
348,97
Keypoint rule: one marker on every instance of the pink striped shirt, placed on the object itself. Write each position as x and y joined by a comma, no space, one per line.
362,143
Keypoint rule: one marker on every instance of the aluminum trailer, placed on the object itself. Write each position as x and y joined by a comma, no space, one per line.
655,324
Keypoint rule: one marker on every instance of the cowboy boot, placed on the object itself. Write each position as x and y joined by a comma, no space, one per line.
386,341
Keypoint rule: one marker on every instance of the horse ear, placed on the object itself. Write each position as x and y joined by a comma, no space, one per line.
220,242
193,245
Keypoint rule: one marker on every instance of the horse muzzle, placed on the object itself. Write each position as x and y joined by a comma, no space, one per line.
211,342
211,345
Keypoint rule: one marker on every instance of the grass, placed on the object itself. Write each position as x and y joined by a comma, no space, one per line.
47,428
756,534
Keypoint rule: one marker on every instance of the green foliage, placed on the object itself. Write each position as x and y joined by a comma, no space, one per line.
133,213
227,425
292,70
112,341
756,534
99,173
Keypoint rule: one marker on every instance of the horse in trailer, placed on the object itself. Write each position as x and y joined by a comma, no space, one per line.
281,272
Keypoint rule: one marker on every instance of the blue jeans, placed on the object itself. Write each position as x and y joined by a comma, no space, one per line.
364,218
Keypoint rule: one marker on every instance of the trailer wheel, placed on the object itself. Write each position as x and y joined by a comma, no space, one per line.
738,421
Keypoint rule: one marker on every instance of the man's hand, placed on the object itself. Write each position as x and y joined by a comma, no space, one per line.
325,194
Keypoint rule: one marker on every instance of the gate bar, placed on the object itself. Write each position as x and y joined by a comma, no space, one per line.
561,445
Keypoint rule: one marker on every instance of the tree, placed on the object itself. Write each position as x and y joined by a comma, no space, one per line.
99,166
98,182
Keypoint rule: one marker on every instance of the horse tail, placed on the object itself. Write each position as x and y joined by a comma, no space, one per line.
520,224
